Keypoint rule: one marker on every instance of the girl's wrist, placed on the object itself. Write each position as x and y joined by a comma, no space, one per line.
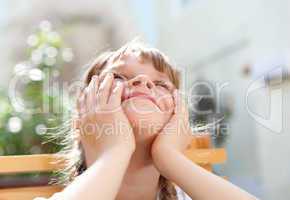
122,149
160,155
117,153
92,154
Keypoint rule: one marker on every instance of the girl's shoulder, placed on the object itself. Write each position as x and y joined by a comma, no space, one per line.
181,195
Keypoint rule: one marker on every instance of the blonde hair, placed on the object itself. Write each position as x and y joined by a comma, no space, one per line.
72,151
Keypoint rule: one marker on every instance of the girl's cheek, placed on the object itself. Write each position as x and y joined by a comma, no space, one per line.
167,103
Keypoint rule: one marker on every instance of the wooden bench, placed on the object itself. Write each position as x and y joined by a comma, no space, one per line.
199,152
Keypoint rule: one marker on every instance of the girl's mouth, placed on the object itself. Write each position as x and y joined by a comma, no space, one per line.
139,95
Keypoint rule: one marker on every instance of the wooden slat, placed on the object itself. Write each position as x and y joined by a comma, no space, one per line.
206,156
201,141
29,163
28,193
208,167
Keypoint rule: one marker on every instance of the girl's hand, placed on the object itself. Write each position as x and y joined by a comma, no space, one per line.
103,124
176,134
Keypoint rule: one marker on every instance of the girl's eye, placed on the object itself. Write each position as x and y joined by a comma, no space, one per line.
162,84
118,76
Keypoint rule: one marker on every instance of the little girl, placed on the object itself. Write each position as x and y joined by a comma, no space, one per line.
132,128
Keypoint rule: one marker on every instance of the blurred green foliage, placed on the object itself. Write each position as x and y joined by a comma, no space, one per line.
23,130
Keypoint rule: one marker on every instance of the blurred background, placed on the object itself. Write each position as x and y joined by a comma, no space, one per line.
234,57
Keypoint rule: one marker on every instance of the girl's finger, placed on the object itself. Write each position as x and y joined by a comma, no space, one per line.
179,103
79,97
93,88
184,106
115,98
85,106
78,104
176,100
105,89
81,103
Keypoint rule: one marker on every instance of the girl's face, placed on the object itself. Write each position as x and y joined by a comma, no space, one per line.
147,96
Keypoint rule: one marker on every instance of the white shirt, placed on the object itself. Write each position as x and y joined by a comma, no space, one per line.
181,195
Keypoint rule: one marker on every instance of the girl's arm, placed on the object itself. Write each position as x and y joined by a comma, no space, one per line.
107,151
102,179
167,153
197,182
108,148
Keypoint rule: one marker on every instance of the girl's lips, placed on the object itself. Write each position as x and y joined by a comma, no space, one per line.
139,94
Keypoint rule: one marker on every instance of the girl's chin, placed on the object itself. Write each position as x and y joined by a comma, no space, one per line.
149,122
145,128
144,114
142,110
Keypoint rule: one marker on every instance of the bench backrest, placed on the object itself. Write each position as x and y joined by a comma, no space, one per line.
199,152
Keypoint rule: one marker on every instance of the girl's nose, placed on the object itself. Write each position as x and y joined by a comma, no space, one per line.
141,80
